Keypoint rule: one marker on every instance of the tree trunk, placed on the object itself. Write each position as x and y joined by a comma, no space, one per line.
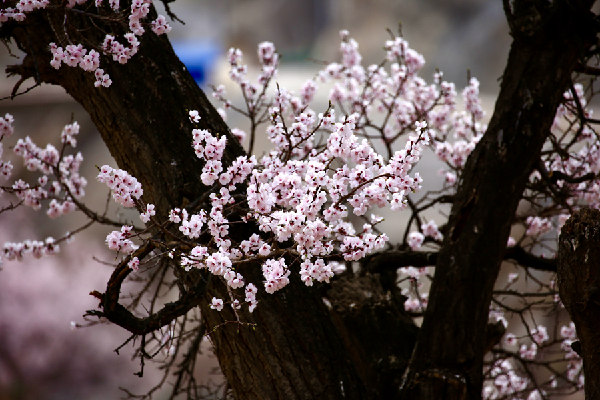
295,352
579,282
549,41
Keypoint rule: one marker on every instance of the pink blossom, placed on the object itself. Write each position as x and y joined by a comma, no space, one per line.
145,216
134,264
569,332
124,186
160,25
119,241
216,304
194,116
540,334
276,275
415,240
430,229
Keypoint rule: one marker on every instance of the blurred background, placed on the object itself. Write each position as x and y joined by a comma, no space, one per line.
41,357
453,36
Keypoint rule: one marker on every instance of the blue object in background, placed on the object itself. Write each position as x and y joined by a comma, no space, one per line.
199,58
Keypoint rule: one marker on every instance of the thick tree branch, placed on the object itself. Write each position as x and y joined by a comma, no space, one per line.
393,260
587,69
528,260
118,314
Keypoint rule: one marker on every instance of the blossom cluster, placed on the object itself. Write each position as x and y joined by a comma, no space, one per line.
149,213
465,127
306,200
126,189
36,248
506,381
6,127
575,363
305,189
76,55
569,166
58,185
430,229
120,241
48,161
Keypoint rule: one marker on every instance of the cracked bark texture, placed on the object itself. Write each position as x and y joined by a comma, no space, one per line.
579,286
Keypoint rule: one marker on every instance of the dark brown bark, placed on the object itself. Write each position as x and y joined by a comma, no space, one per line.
579,286
295,352
549,41
376,329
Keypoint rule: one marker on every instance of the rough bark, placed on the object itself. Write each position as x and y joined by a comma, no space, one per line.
549,41
294,352
376,329
578,283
